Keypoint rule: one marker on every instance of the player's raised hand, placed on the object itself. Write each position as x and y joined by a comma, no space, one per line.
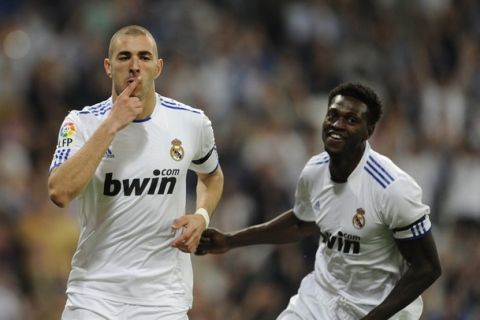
193,226
212,241
126,107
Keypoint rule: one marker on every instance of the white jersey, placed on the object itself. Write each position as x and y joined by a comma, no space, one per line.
359,220
127,210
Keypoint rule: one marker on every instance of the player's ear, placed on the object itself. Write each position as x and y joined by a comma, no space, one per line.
370,129
159,67
108,67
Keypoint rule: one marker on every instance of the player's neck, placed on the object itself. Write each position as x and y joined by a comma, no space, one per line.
148,106
342,165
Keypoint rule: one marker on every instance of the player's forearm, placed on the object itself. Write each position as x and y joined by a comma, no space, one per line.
69,179
285,228
209,190
408,288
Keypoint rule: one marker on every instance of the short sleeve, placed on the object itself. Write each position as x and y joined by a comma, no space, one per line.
206,157
70,140
403,210
303,206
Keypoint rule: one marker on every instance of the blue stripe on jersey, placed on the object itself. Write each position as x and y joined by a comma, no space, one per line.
325,159
142,120
102,109
175,106
375,177
172,103
98,109
378,172
378,165
321,161
416,236
416,230
61,155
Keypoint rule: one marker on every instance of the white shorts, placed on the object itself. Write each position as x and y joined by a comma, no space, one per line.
313,303
83,307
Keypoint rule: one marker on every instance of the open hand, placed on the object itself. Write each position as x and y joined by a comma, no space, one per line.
193,226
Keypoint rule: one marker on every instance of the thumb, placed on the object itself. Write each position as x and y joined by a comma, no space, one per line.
210,232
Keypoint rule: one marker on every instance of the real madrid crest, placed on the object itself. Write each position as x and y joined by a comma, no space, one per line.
176,151
358,220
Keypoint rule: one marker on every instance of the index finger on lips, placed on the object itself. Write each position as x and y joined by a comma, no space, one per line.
131,87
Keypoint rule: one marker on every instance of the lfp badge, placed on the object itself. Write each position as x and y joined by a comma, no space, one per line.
66,132
68,129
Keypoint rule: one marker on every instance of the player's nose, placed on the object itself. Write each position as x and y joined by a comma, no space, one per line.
134,67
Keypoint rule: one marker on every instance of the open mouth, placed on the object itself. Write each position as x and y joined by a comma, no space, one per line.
336,136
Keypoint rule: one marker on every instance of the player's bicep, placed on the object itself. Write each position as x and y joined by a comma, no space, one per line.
205,160
309,228
402,206
302,208
421,253
68,142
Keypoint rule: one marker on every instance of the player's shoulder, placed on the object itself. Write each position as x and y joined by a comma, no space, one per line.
316,165
384,172
317,160
97,110
177,108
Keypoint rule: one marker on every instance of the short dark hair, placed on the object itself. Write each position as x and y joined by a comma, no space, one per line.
132,30
362,93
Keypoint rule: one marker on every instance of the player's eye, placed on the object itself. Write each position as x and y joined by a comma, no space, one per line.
330,116
145,57
352,120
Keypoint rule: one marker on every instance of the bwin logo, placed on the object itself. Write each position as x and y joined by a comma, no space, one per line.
346,243
136,186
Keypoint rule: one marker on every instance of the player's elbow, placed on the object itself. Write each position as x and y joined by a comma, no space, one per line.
58,199
58,195
436,271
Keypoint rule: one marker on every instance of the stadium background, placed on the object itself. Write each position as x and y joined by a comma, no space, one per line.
261,70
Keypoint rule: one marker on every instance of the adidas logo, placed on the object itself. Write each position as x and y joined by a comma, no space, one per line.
109,154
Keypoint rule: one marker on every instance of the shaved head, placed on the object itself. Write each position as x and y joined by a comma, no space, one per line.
132,30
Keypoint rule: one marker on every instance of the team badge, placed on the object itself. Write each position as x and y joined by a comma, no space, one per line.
359,219
68,129
176,151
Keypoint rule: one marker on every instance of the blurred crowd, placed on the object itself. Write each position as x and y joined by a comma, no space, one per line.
261,70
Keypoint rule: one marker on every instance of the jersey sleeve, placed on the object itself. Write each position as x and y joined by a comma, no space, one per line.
206,157
404,212
303,206
70,140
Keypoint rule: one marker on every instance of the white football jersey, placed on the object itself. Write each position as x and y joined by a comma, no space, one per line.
359,220
138,190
